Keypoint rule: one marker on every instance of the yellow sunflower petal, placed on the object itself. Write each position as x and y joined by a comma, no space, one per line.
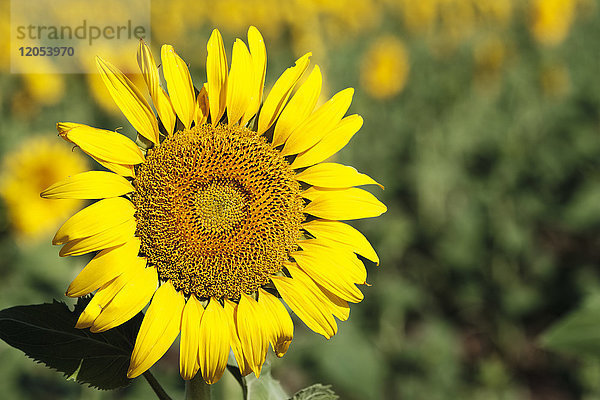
105,266
344,234
239,83
102,297
129,99
101,144
251,322
190,341
337,306
319,124
342,204
327,250
89,185
282,325
216,74
106,294
130,300
214,339
109,238
259,66
331,143
179,85
258,55
304,298
160,327
318,263
299,108
280,93
161,101
98,217
127,171
333,175
202,108
236,345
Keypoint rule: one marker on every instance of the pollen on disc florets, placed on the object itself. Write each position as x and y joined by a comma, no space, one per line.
218,210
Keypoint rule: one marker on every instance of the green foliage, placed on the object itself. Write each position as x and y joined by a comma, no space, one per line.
265,387
47,334
578,333
315,392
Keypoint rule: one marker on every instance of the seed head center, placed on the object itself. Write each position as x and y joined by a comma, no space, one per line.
220,207
218,210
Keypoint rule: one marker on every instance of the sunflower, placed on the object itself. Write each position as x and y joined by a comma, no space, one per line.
223,211
31,167
385,67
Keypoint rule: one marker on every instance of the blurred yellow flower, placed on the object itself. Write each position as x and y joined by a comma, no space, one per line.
172,20
31,168
551,20
385,68
419,16
45,89
499,12
234,15
458,21
342,18
489,56
446,24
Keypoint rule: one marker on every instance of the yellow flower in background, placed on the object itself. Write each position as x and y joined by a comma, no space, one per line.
495,11
172,19
489,55
384,69
419,16
38,162
46,89
228,207
341,18
233,15
457,22
551,20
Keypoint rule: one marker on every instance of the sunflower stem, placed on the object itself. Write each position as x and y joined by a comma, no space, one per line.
160,392
197,389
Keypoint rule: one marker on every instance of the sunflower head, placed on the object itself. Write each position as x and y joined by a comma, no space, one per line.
226,201
225,213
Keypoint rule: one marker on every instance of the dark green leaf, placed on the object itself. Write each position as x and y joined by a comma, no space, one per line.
578,333
316,392
47,334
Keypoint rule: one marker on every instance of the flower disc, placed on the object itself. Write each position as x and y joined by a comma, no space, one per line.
218,210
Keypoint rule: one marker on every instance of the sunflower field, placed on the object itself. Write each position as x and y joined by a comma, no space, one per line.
481,122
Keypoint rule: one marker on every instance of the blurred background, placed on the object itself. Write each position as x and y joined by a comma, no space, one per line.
482,120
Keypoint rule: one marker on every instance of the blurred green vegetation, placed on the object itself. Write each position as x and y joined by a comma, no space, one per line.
489,150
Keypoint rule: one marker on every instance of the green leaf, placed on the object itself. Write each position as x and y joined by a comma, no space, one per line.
266,387
316,392
578,333
47,334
